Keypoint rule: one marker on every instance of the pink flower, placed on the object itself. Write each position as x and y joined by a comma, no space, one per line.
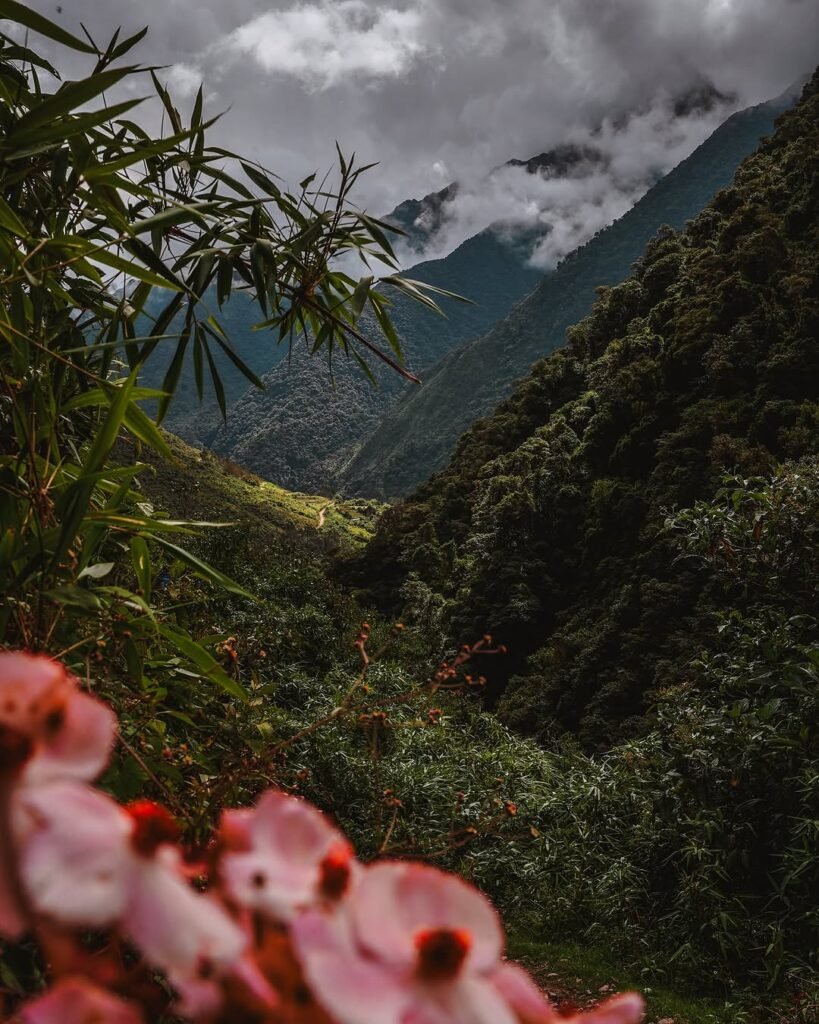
414,945
86,861
527,1001
76,1001
49,730
284,856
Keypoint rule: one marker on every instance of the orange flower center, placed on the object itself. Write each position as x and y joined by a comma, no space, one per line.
153,826
441,952
334,873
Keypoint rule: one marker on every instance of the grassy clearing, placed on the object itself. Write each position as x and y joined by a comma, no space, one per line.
198,478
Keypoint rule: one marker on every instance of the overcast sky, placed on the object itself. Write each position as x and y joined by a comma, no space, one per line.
438,90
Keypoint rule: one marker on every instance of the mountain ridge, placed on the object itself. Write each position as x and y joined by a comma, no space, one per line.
413,440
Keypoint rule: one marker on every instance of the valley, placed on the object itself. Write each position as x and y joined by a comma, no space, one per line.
329,698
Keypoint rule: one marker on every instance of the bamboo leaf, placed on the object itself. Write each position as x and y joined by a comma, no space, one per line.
23,15
208,572
202,659
67,98
97,571
141,560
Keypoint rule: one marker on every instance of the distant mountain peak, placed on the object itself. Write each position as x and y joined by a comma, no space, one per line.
702,98
562,161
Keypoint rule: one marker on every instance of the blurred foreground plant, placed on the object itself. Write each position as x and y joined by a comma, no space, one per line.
97,217
282,924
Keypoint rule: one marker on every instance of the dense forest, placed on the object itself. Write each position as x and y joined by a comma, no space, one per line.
637,523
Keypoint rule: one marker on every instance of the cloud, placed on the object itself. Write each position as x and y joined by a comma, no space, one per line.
328,42
183,79
442,90
598,175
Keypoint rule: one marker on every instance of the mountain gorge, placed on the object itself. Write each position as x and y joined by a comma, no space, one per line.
305,435
562,690
304,428
329,409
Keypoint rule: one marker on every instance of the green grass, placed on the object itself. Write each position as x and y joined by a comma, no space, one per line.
581,975
198,481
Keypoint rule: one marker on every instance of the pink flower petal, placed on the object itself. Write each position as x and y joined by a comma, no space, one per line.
199,998
176,928
80,748
71,733
280,849
352,989
27,682
427,1014
234,828
475,1000
76,1001
74,845
395,900
79,866
296,830
196,998
522,994
627,1008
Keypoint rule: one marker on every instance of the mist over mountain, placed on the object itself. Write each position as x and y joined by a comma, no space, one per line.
419,434
555,201
444,90
301,434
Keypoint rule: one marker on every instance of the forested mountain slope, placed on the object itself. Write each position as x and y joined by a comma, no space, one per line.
329,421
418,436
301,430
303,435
548,526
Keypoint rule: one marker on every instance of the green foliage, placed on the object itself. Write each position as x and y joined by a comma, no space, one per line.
577,974
638,524
695,839
332,424
114,245
690,849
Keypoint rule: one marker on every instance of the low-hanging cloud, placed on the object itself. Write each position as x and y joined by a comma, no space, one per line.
561,208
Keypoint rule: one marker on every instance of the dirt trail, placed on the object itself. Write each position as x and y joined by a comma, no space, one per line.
322,510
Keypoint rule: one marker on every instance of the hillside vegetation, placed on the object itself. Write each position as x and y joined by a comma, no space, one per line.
624,559
548,524
419,434
638,526
608,849
307,424
638,523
